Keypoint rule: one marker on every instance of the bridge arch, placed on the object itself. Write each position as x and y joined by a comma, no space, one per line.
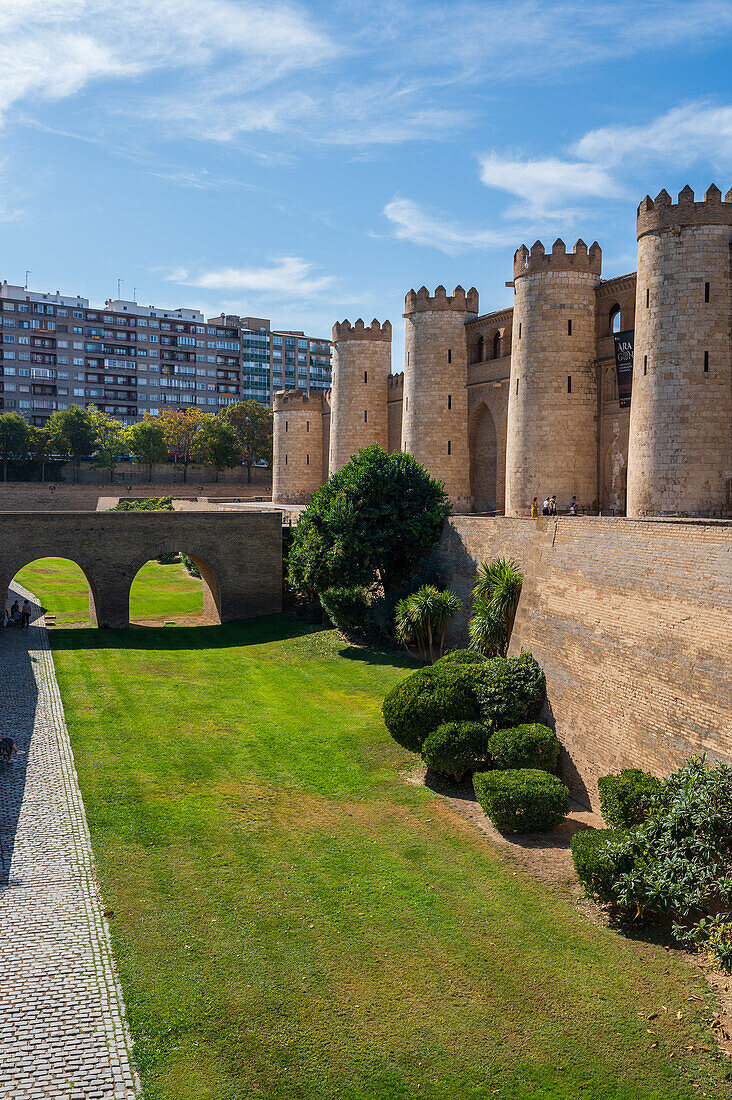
209,574
17,564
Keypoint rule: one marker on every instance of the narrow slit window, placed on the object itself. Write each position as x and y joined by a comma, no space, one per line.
365,376
706,292
569,328
285,460
307,460
706,362
520,327
648,297
286,425
645,364
406,403
365,416
307,425
517,382
569,383
449,355
449,400
449,447
407,358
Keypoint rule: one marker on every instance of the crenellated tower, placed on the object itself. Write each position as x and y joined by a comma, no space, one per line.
361,368
552,405
435,409
680,448
297,461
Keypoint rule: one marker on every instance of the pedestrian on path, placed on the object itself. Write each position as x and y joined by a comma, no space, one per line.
25,614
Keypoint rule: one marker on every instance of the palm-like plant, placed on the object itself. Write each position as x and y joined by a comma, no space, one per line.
422,619
497,594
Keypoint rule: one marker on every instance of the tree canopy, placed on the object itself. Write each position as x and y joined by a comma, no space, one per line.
251,422
146,442
216,443
372,522
13,438
109,439
73,433
181,427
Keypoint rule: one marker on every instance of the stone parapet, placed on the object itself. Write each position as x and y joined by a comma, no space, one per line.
537,259
459,301
662,213
344,330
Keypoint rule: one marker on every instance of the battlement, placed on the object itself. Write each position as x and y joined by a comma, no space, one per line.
396,386
295,400
421,301
530,262
344,330
662,213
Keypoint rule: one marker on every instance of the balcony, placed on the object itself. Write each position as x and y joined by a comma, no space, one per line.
42,374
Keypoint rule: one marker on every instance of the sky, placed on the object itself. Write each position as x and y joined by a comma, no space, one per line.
311,162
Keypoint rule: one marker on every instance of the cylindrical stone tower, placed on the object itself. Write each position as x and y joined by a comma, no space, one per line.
552,445
435,409
680,447
297,461
361,369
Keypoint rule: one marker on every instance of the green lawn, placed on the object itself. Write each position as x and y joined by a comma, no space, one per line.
293,921
158,591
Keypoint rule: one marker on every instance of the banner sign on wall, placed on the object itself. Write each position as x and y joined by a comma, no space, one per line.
624,365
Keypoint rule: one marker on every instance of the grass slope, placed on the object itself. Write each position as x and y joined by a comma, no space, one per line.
158,591
292,920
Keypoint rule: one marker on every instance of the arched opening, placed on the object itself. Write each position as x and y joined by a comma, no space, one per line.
174,589
64,591
483,460
615,318
497,346
615,471
478,351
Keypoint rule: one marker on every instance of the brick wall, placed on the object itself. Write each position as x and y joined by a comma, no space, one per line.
631,621
32,496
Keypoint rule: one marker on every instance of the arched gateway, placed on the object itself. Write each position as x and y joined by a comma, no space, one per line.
239,555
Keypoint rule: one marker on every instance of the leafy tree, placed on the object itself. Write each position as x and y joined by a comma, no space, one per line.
146,442
497,594
251,422
423,617
372,522
13,436
109,439
72,433
217,444
181,427
39,446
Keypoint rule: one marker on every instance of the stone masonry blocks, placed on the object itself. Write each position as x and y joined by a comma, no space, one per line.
297,464
361,370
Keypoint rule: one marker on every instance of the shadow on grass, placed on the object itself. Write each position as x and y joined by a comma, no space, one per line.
396,658
267,628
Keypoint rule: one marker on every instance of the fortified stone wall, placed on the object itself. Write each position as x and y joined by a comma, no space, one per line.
298,446
630,621
395,404
33,496
361,368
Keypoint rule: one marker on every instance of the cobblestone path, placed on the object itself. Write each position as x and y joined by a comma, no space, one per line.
62,1030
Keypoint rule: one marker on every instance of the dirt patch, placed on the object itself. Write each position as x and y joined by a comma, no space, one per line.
548,857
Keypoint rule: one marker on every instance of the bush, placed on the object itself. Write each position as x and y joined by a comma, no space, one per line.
626,798
455,748
168,559
150,504
347,609
595,864
530,745
425,700
191,567
460,657
510,690
522,801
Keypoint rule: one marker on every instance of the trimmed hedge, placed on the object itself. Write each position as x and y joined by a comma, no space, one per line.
455,748
510,690
596,868
626,798
524,800
460,657
529,745
425,700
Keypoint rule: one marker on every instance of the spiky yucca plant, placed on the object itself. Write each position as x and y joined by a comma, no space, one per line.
496,597
422,619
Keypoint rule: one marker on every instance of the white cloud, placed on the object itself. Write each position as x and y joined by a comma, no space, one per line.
411,222
686,134
286,276
544,184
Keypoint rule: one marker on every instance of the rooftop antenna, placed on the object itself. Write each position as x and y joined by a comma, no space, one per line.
27,276
134,294
119,288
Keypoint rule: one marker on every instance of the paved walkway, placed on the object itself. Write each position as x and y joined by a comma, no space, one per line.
62,1031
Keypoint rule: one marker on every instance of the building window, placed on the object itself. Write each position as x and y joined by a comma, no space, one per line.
706,362
307,425
648,297
517,382
307,460
569,328
614,319
569,383
520,327
286,423
449,400
365,376
706,292
449,355
365,416
449,447
497,346
645,364
285,460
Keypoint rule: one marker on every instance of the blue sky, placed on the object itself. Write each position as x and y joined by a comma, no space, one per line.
313,161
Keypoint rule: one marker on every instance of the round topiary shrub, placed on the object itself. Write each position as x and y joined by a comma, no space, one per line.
426,699
455,748
596,867
510,690
626,798
529,745
522,801
460,657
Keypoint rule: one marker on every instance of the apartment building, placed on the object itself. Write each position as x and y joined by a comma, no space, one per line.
57,350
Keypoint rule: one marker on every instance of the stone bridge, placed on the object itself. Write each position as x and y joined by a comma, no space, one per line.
239,555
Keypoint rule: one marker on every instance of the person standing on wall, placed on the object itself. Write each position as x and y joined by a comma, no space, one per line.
546,507
535,508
